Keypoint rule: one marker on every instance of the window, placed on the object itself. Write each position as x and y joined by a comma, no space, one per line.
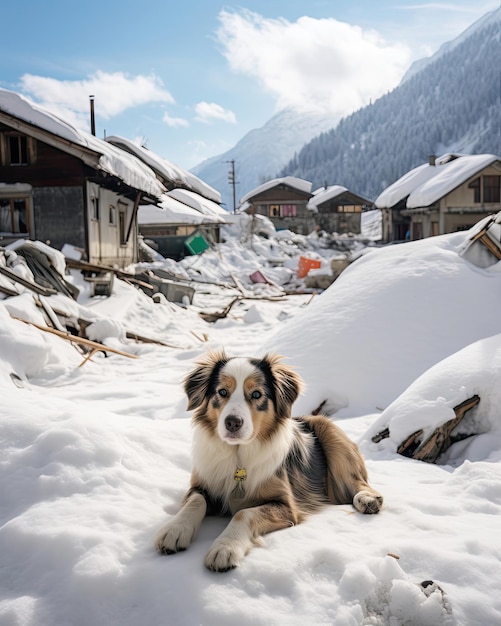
283,210
288,210
18,150
349,208
113,215
14,215
486,189
491,188
95,208
122,228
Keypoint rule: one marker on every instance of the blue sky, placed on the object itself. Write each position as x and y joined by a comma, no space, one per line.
190,78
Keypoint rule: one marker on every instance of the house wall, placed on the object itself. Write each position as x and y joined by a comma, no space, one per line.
55,223
342,214
109,216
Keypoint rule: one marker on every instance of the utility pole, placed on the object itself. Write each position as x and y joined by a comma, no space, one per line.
232,181
92,116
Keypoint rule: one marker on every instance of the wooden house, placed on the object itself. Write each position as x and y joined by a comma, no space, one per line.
445,195
63,186
338,210
285,202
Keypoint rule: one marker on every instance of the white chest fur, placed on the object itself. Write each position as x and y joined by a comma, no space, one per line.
217,462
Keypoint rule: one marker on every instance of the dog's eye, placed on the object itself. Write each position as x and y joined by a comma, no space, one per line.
256,395
223,393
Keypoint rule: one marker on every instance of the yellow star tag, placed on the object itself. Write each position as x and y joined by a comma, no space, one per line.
240,474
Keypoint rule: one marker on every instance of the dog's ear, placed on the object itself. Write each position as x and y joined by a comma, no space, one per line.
287,383
197,384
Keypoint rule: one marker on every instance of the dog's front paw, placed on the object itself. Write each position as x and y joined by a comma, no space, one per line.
368,502
224,555
174,537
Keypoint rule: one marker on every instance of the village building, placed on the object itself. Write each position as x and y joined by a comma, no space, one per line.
338,210
63,186
284,201
290,204
445,195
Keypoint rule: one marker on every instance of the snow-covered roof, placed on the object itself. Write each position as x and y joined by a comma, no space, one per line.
426,184
324,194
449,176
112,160
401,188
296,183
167,170
171,211
198,202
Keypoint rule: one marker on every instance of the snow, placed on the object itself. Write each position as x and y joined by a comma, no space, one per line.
166,169
197,202
402,187
94,458
171,211
323,194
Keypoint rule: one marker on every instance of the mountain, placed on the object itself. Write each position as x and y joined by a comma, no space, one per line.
261,153
448,103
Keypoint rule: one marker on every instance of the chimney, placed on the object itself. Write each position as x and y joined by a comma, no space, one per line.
432,159
92,118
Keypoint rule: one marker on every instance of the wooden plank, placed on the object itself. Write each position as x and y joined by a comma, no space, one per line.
99,269
8,291
94,345
438,442
44,291
490,245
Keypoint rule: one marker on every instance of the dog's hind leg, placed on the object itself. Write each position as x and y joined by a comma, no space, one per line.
347,481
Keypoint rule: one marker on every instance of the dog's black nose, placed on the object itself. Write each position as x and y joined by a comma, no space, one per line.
233,423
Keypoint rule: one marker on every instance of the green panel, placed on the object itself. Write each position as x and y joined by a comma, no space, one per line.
196,243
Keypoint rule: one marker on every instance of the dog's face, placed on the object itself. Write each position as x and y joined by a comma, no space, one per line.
239,398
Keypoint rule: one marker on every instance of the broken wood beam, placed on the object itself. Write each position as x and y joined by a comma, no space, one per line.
95,346
438,442
44,291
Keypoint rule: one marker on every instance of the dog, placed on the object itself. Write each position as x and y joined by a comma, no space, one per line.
254,461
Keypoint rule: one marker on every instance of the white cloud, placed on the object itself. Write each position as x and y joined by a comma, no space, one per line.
114,93
208,112
314,64
174,122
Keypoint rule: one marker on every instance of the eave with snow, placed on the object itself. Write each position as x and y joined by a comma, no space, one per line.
172,176
76,188
447,194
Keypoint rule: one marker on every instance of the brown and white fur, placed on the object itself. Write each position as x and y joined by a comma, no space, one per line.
288,467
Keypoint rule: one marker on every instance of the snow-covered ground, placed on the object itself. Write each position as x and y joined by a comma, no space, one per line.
94,458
